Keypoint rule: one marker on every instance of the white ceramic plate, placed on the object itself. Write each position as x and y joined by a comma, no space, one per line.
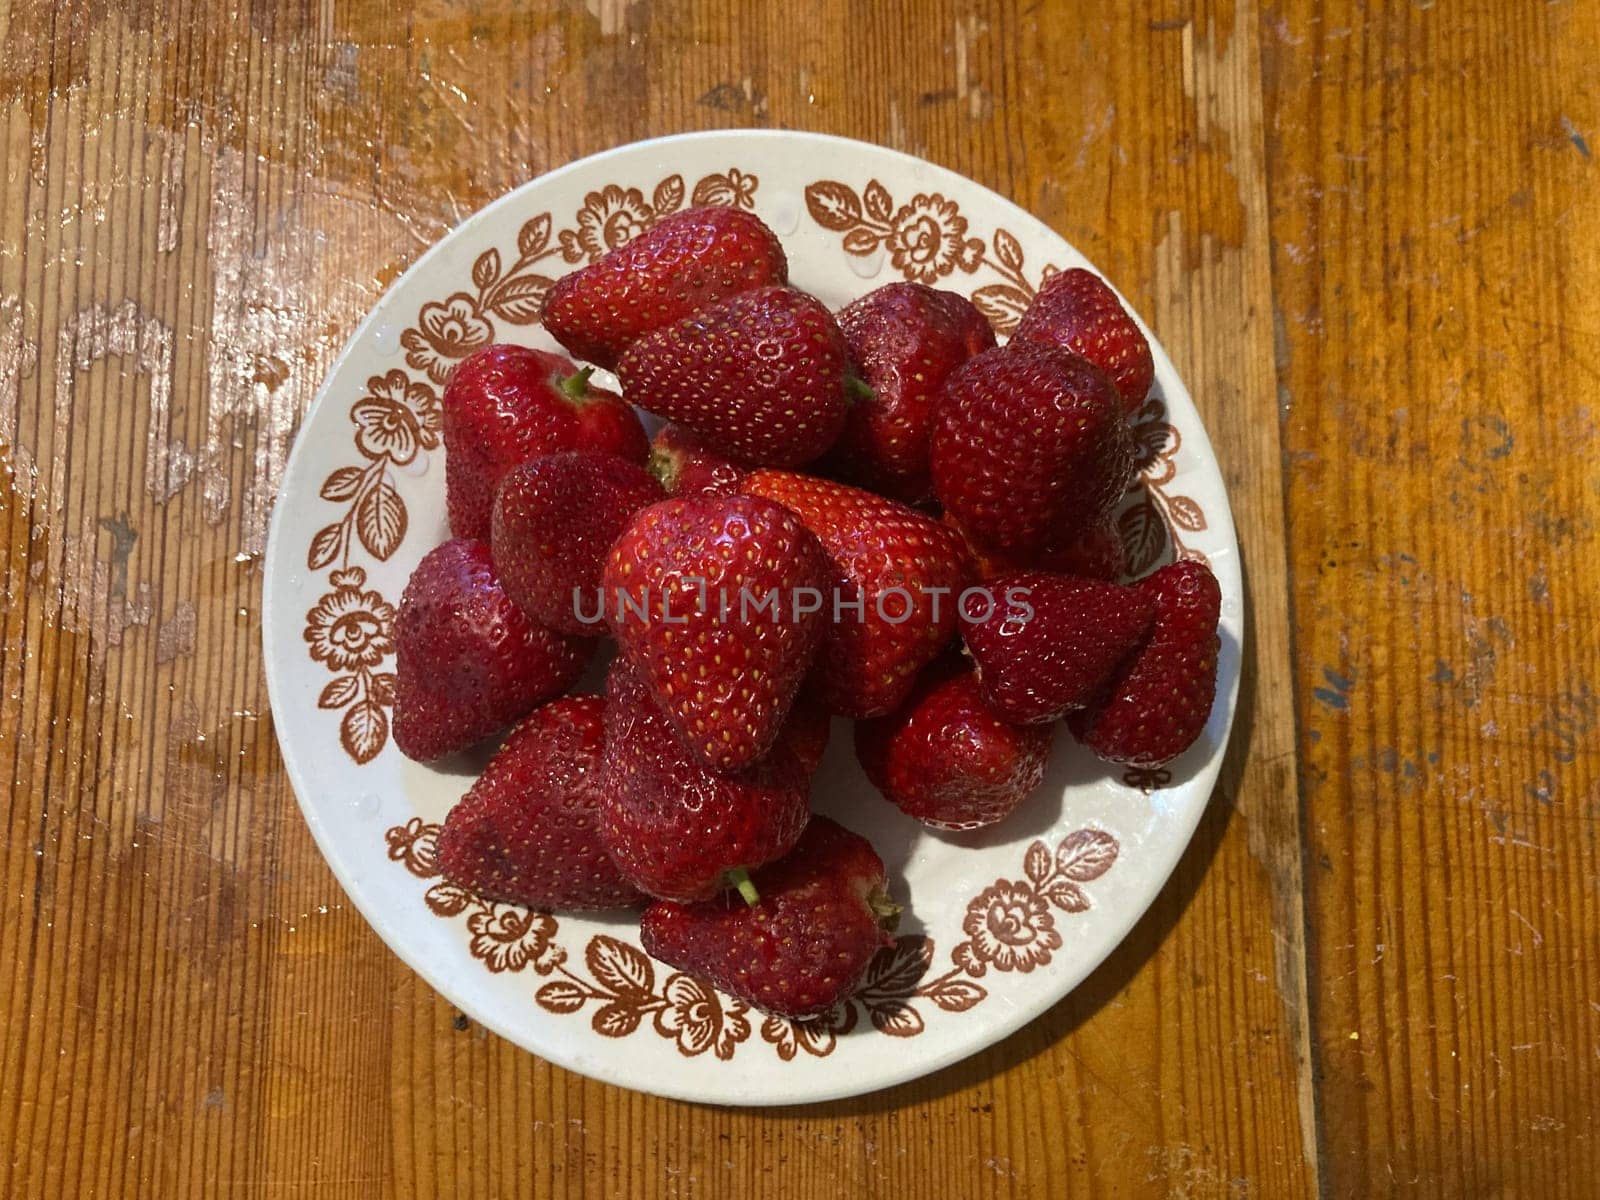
1000,926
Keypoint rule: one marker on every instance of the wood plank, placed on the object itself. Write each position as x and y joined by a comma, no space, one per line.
189,1006
1433,210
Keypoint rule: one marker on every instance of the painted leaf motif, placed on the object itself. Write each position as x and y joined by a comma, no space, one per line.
1186,514
880,206
668,195
534,235
833,205
448,899
1086,854
861,240
324,547
619,967
518,300
715,190
617,1019
1002,304
486,270
1036,863
955,995
1066,896
381,689
895,1018
381,520
895,970
560,996
364,730
339,692
1007,250
1144,535
342,484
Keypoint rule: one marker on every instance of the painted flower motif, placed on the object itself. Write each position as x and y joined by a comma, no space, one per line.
733,189
350,627
608,219
1007,925
396,417
508,938
693,1015
928,239
416,844
817,1037
1155,442
444,333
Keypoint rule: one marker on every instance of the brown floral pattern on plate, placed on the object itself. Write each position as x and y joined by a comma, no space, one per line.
1010,926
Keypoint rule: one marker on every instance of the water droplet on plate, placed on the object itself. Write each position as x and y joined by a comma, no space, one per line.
417,467
368,803
386,339
784,216
866,265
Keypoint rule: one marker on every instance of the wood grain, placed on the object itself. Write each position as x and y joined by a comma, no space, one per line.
1363,232
1433,221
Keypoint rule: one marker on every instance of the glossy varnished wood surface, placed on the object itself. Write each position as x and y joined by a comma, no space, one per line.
1365,234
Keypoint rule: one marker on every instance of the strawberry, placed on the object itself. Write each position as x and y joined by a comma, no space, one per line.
507,404
946,759
687,466
1091,552
528,831
1078,311
904,340
1158,702
760,377
905,569
717,602
684,263
807,730
675,829
1048,643
1029,441
468,662
553,521
824,912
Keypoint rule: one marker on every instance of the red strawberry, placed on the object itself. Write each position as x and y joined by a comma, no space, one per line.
824,912
529,830
554,520
507,404
711,601
687,466
807,730
907,570
1157,704
675,829
977,335
1078,311
946,759
468,662
1048,643
904,340
1094,552
1029,440
686,262
760,377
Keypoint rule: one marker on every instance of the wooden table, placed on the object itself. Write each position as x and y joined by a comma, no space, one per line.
1363,232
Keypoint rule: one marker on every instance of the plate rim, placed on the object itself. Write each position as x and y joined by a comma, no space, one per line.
750,1090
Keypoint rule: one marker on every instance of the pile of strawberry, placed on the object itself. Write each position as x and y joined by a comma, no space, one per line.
949,502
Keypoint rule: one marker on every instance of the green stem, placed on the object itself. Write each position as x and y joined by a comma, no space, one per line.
576,385
856,389
740,879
